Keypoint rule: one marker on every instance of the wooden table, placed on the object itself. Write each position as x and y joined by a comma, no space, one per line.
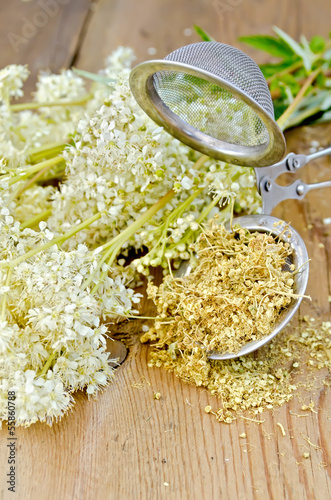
127,445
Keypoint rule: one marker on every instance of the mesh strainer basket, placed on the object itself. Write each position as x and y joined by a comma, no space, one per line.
214,98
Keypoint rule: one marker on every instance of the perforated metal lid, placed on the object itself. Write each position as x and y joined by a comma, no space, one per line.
214,98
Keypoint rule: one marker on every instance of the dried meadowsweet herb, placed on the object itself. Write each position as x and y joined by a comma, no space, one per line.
256,382
259,381
235,293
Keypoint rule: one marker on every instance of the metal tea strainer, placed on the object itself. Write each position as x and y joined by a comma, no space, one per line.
214,98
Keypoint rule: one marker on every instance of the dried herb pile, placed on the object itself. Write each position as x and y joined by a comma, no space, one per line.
235,293
202,319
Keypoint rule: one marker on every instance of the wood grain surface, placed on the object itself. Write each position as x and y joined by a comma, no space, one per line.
127,445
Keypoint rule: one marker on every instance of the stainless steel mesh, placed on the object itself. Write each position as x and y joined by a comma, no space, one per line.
211,108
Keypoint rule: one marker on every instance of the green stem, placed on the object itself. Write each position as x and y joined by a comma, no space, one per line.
204,214
95,272
35,220
28,184
33,169
47,365
290,69
59,239
36,105
46,153
236,176
142,219
55,174
7,169
300,117
111,259
208,209
200,162
45,147
175,214
282,121
115,244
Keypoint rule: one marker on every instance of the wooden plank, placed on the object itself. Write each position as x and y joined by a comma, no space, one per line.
41,33
160,24
126,444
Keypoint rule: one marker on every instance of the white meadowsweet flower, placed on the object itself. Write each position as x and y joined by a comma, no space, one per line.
119,164
6,332
12,79
121,58
186,182
66,85
48,313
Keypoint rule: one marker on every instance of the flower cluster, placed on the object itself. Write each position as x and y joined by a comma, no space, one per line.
49,319
127,185
12,79
122,163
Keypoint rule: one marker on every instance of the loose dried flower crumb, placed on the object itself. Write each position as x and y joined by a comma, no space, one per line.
309,407
263,380
157,395
306,455
281,428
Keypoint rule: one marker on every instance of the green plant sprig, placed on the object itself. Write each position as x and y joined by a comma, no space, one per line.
300,65
295,66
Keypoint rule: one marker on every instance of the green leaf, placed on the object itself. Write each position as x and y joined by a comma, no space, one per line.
290,82
317,100
326,103
325,118
301,73
277,85
279,108
275,47
306,47
312,109
274,84
327,55
321,80
296,47
203,35
317,44
269,70
94,76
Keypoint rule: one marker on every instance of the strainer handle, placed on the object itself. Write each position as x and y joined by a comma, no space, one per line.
291,163
319,154
273,194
